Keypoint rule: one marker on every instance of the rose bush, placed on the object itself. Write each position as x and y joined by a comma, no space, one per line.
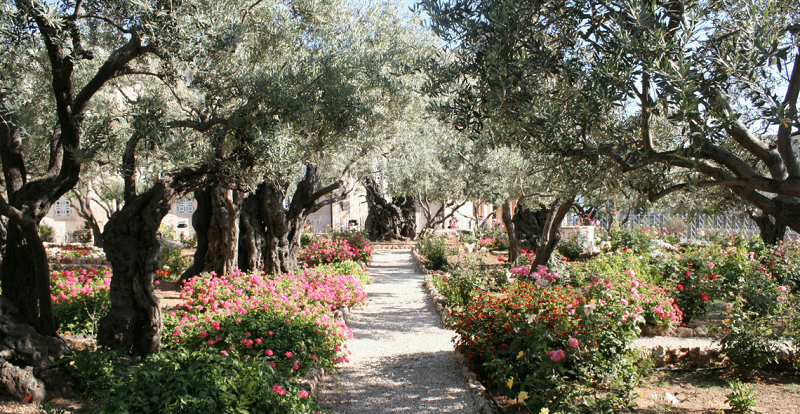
551,346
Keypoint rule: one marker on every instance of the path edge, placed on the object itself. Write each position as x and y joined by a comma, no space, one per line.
480,396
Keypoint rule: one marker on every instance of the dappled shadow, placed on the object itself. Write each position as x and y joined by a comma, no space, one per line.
423,382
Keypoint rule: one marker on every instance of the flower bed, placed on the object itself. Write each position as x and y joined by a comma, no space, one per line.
80,298
230,330
640,280
339,247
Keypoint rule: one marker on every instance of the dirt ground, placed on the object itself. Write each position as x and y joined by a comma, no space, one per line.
704,392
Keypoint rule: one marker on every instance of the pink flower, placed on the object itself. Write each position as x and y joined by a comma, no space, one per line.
711,265
631,273
303,394
278,389
268,352
782,288
556,355
573,342
288,354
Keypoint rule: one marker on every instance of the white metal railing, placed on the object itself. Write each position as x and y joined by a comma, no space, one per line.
697,227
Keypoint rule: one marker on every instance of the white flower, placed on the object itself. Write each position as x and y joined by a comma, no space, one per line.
670,398
530,317
589,309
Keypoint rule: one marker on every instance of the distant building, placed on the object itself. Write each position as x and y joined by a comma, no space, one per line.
64,219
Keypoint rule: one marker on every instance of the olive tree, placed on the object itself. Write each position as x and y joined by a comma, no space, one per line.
593,79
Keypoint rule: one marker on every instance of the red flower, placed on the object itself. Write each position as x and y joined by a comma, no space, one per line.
501,259
28,398
704,296
712,276
680,287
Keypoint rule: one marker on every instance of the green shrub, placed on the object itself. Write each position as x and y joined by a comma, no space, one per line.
572,246
46,233
96,370
462,279
433,248
204,382
638,239
84,234
754,338
742,397
782,262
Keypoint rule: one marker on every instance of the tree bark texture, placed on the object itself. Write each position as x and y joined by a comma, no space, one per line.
551,232
513,242
220,243
133,323
283,225
252,233
770,229
201,223
27,358
529,224
385,220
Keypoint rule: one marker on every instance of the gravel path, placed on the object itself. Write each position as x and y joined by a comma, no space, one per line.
402,360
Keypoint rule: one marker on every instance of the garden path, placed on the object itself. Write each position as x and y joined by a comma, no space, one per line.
402,360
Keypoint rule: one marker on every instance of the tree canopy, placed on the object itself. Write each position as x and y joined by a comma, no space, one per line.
599,79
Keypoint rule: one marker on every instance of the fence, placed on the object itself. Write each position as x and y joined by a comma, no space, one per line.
697,227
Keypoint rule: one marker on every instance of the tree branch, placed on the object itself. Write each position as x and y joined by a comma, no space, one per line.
785,130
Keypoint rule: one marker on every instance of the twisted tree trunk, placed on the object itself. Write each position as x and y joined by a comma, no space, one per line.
385,220
217,216
551,232
252,234
133,323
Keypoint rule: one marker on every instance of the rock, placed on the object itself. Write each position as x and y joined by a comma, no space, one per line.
659,356
21,383
701,331
26,358
652,330
685,332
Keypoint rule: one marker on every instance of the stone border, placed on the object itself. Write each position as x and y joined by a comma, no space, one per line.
480,396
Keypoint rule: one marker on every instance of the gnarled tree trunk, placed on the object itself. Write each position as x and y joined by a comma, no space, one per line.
133,323
252,233
770,229
217,218
551,231
513,242
528,225
275,229
24,271
385,220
